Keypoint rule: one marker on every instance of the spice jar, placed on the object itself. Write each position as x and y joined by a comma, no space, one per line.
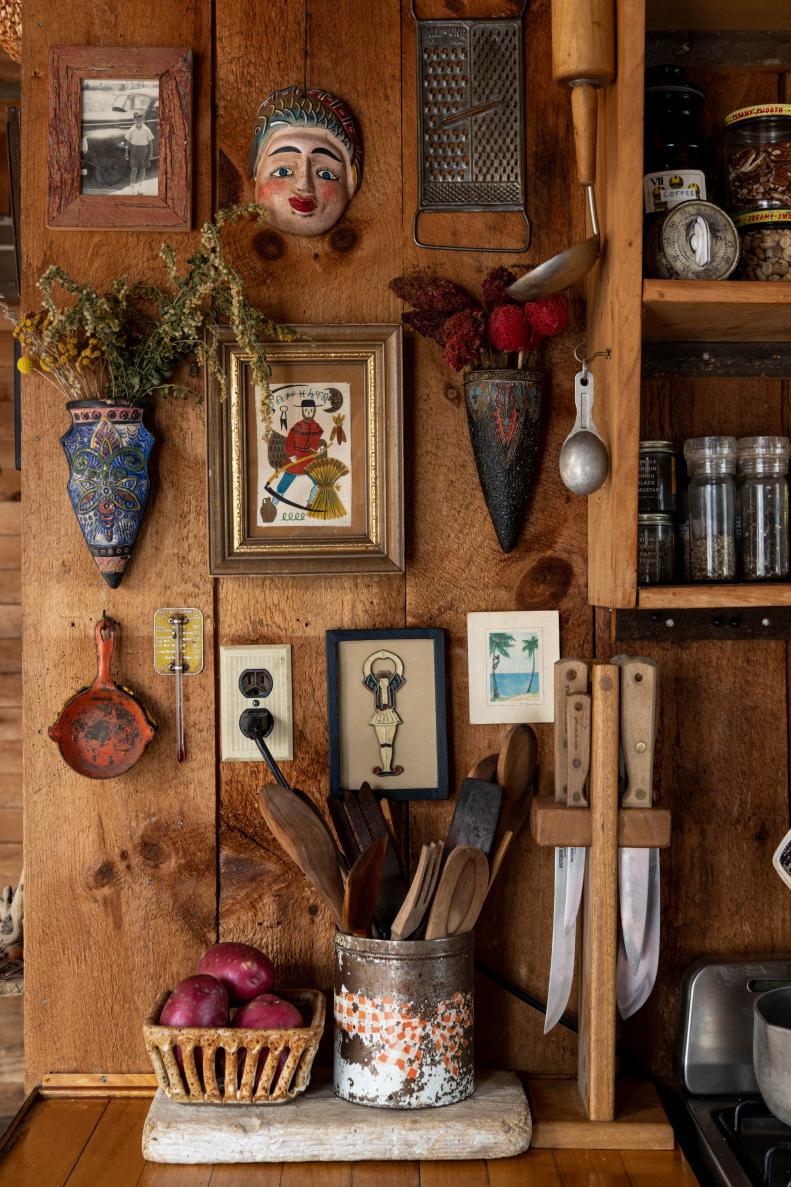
656,546
656,483
766,244
675,154
758,147
763,469
711,465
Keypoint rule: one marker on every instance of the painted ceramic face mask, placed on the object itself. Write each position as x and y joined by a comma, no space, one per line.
305,159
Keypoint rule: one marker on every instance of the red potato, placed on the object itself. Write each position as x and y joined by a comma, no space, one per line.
244,971
196,1001
267,1012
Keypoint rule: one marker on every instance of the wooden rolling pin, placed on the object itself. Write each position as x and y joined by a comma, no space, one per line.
583,58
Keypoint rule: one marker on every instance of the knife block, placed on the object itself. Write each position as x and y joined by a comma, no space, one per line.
594,1112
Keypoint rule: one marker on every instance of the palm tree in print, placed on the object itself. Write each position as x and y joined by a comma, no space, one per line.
500,644
530,645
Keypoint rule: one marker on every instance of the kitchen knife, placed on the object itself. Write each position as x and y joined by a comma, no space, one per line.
578,734
571,675
632,989
638,729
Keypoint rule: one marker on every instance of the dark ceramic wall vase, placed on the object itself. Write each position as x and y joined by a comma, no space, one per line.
108,448
504,419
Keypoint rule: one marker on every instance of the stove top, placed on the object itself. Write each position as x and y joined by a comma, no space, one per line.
739,1141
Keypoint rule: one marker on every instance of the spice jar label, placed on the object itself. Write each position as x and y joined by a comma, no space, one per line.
665,190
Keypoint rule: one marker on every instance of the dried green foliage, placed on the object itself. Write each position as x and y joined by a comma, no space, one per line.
124,344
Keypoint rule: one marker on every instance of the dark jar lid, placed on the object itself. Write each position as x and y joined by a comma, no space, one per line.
657,447
670,79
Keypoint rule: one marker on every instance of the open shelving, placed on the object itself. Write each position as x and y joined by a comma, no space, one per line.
747,323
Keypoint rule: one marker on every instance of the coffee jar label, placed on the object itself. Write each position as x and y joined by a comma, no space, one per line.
663,191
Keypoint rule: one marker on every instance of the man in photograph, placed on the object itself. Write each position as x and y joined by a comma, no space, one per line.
139,139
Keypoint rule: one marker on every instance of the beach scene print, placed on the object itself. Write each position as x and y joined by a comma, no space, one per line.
305,471
514,667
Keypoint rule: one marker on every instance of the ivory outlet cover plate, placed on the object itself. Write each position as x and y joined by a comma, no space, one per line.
277,661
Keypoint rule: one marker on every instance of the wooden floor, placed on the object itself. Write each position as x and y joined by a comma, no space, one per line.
96,1143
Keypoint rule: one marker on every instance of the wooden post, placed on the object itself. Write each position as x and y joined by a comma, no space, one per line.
596,1054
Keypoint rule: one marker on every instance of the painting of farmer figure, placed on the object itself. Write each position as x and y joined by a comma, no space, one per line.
303,442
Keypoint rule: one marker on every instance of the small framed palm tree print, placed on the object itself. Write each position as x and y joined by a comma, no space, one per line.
511,655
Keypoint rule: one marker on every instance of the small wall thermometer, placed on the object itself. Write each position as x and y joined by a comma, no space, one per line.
178,651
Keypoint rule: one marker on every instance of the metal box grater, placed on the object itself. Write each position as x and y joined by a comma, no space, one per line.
471,118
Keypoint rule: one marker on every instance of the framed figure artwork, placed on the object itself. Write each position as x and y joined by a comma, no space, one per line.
319,489
120,137
511,656
387,717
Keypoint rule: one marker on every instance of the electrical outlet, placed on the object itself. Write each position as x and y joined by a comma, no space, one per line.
243,673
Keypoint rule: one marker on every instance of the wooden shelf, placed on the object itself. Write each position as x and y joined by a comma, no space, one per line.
716,311
718,14
715,597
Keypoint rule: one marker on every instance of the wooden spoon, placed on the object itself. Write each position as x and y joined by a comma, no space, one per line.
306,840
516,767
460,893
362,888
418,897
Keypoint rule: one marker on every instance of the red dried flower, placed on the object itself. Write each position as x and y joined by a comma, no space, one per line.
426,291
508,329
463,338
496,284
430,325
549,316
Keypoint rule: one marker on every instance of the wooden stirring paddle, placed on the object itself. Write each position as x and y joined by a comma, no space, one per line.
460,894
362,888
306,840
418,897
516,768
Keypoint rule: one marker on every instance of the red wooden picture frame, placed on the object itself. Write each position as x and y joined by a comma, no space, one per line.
170,208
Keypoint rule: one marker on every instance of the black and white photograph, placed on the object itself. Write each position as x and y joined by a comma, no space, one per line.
119,136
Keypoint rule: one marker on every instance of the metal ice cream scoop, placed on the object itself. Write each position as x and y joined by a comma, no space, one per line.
584,460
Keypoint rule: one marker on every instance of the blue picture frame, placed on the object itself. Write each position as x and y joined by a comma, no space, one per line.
334,642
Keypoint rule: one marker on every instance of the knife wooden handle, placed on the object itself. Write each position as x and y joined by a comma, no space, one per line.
571,675
578,730
639,686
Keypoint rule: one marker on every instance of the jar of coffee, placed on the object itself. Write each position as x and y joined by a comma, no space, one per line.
676,156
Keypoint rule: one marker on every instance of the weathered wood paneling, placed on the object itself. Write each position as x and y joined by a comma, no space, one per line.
121,887
339,277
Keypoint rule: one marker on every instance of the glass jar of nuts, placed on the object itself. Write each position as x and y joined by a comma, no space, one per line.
758,146
765,244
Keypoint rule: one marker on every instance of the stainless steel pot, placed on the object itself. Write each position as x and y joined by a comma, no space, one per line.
772,1050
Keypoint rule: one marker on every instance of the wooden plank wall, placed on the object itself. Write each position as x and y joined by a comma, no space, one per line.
121,892
121,878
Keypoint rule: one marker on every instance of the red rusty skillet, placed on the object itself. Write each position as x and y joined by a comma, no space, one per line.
103,729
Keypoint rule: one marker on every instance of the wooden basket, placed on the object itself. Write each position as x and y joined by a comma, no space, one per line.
214,1078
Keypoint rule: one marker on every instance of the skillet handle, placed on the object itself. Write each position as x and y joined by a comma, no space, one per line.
105,636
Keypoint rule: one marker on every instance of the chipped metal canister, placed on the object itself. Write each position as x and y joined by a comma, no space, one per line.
404,1021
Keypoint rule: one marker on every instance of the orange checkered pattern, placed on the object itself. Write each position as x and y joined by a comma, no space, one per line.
404,1037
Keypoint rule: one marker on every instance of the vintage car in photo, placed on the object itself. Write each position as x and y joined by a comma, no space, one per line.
105,159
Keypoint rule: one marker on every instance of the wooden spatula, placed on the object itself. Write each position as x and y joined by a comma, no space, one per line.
460,894
516,767
475,816
415,905
307,842
362,887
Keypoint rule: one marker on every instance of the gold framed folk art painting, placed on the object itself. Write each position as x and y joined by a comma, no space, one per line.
319,488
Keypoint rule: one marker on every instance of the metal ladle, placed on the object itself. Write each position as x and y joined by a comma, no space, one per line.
566,268
584,458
